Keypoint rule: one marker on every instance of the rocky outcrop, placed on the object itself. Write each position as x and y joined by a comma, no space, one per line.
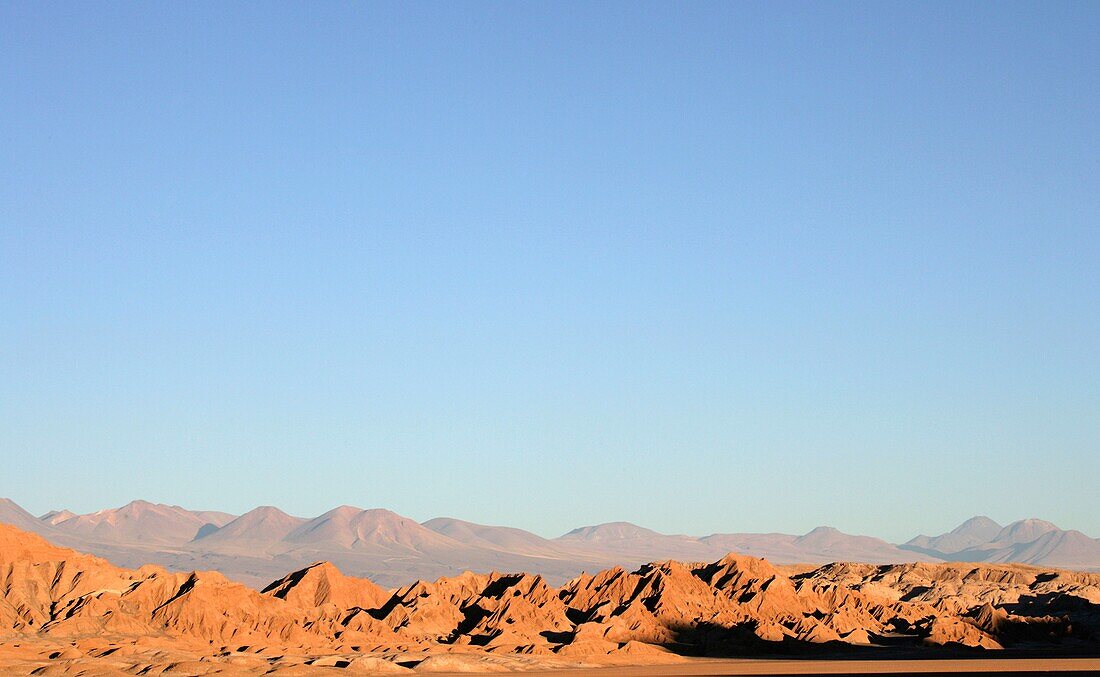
735,605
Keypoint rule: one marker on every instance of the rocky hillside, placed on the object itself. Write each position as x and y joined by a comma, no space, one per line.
732,606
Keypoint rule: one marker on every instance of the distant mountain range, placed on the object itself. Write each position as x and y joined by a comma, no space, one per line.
264,543
1031,541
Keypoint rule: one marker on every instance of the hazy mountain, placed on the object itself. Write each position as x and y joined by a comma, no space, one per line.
350,528
828,544
141,522
1029,541
1071,549
1057,548
611,532
12,513
974,531
264,543
631,543
505,539
823,544
1023,531
257,529
215,517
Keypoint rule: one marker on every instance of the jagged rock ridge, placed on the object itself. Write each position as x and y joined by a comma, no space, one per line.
733,605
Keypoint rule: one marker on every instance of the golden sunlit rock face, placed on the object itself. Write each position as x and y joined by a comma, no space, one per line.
65,610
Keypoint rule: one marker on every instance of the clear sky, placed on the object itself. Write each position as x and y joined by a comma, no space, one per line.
703,267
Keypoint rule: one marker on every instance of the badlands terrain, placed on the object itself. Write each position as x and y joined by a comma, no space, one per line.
265,543
64,612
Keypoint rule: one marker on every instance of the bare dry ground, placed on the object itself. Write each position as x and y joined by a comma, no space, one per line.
35,659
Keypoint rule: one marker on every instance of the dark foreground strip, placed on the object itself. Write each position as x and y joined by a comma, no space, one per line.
953,673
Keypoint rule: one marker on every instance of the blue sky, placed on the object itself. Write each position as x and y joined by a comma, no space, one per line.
704,267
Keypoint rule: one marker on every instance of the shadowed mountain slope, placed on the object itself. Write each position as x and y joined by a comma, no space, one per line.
55,516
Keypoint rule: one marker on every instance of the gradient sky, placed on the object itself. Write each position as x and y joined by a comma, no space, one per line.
703,267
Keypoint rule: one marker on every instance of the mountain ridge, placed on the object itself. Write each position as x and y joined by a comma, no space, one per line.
256,546
58,604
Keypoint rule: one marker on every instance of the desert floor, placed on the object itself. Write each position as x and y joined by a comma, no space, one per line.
18,658
956,667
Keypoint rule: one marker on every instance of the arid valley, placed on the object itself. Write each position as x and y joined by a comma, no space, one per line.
66,612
